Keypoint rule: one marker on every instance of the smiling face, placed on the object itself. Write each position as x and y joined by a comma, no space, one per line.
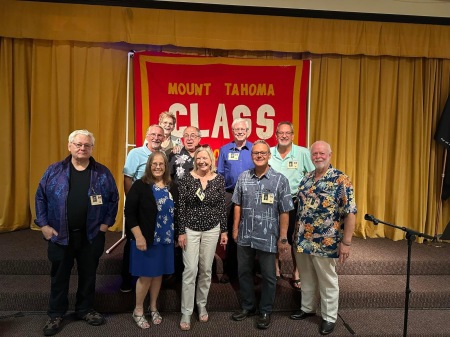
260,155
81,147
285,135
240,132
203,161
158,167
168,125
154,137
321,155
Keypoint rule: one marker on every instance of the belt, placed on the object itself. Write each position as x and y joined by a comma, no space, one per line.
229,190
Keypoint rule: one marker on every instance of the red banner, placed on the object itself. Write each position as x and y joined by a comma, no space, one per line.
209,92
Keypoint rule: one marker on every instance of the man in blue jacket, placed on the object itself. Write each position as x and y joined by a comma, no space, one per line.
76,202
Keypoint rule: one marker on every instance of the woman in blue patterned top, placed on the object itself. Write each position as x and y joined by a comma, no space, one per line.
150,214
202,219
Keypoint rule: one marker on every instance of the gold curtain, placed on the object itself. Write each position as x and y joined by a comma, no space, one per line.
378,114
60,71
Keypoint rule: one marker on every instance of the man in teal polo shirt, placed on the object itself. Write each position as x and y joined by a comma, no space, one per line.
293,162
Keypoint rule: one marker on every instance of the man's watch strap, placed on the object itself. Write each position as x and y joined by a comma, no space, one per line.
283,240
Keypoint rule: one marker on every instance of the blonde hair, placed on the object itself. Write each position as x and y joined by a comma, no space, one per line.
207,149
166,114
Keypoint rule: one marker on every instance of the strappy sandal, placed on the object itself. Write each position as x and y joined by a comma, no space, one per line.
203,315
185,323
140,321
156,317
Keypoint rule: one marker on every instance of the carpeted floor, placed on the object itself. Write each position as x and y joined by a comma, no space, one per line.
364,322
372,294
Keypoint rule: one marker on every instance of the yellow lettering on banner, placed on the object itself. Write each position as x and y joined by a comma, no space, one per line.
190,89
252,89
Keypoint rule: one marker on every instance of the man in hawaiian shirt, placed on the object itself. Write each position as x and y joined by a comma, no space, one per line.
326,222
182,163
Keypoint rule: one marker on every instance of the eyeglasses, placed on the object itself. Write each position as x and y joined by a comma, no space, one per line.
287,133
240,130
80,145
155,135
190,136
158,164
260,153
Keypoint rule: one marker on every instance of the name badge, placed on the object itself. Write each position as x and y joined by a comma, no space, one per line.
233,156
96,200
267,198
293,164
200,194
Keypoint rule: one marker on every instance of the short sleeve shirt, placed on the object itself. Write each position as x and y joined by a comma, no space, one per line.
259,226
136,162
322,207
294,166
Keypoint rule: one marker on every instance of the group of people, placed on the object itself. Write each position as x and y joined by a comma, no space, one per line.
260,201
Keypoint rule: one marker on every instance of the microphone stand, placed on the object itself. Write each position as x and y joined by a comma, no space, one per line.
410,236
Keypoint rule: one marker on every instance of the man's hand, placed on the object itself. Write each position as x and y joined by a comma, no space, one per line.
103,228
344,252
48,232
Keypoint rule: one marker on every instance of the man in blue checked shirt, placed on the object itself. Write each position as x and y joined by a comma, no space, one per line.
234,158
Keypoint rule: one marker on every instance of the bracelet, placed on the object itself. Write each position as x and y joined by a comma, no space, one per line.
346,244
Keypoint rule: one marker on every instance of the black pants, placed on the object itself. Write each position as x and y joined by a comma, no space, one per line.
127,278
230,265
87,255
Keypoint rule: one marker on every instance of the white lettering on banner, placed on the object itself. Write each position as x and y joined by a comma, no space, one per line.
221,120
263,111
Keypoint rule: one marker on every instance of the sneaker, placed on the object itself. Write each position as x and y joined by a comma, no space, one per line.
94,318
126,287
52,326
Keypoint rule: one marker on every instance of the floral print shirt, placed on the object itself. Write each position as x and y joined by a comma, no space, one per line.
164,228
322,207
180,164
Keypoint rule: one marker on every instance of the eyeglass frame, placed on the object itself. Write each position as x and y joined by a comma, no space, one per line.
80,145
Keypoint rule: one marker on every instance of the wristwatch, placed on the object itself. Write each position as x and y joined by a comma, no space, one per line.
283,240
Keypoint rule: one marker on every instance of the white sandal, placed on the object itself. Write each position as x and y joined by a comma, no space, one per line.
140,321
185,323
202,314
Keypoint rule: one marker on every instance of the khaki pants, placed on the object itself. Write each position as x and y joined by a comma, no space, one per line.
198,257
319,277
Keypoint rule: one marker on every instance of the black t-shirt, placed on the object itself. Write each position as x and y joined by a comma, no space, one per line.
78,198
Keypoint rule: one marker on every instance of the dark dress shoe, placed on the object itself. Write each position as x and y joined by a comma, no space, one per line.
299,315
243,314
263,321
326,327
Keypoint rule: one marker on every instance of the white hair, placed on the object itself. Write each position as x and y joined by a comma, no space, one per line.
81,132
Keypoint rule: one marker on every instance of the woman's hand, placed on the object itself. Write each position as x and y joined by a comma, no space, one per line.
224,239
141,244
182,241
